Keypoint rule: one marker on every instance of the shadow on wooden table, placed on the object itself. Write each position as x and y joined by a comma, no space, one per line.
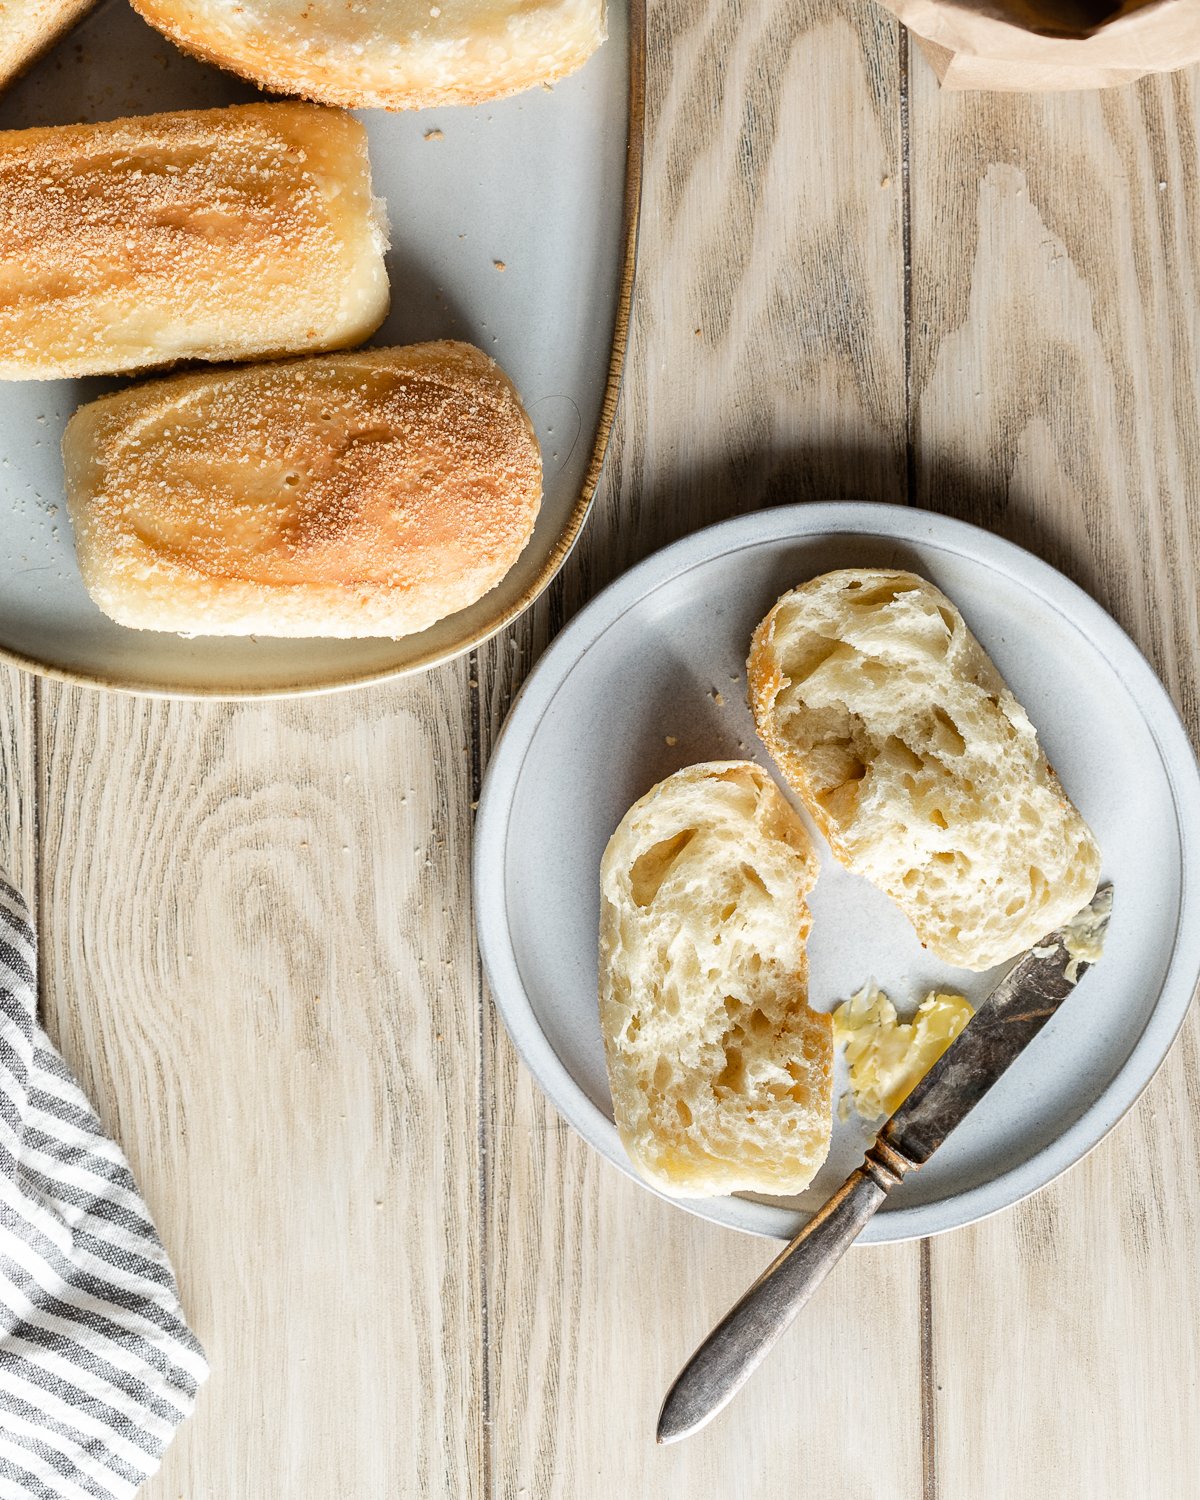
629,524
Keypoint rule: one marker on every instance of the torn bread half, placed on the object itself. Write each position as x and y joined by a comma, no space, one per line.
721,1074
923,771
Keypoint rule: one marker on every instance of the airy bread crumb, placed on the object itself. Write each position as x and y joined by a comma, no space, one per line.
720,1072
921,768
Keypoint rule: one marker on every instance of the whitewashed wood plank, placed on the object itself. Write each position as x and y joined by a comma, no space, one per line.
18,809
258,958
766,365
1056,335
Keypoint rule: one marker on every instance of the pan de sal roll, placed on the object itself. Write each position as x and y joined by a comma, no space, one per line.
29,27
363,494
203,234
720,1073
918,764
389,54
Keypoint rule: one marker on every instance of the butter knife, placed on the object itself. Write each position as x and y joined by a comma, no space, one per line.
1001,1029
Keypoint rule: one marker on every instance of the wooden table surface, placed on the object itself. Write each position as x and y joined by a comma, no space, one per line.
412,1279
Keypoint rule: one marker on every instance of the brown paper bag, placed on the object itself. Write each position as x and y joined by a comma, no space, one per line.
1055,44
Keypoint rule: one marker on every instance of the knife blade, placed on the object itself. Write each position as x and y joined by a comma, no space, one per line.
1008,1020
1001,1029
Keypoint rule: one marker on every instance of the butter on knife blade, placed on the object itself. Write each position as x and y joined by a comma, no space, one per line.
1004,1025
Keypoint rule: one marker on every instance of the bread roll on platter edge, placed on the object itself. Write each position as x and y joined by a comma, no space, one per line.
29,27
721,1075
216,234
362,494
390,54
923,771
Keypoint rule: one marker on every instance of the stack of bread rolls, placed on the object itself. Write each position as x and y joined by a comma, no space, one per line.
339,495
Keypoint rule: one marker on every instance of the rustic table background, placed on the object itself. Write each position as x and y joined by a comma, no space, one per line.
411,1278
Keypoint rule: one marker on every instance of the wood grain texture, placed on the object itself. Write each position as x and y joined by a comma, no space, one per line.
1056,385
259,962
766,362
18,795
765,365
413,1280
598,1293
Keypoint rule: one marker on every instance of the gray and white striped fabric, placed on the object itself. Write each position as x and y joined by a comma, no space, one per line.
97,1366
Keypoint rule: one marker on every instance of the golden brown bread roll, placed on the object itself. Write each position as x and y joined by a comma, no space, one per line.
29,27
392,54
344,495
201,234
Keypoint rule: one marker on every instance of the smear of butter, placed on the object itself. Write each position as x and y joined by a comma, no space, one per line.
888,1057
1083,938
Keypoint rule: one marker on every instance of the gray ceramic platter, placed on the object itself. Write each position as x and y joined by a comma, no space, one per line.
651,677
546,184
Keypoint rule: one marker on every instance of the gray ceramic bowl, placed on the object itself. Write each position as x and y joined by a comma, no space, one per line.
651,677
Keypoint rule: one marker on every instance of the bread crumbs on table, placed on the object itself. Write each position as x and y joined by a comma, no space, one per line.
435,135
670,739
500,265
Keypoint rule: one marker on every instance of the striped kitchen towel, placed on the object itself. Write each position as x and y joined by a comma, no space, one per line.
97,1366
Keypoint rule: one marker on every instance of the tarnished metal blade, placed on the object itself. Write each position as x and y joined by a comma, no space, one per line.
999,1032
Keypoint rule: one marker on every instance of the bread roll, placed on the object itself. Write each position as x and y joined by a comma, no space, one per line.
720,1073
918,764
29,27
204,234
391,54
343,495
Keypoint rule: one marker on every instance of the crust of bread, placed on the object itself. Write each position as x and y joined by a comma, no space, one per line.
363,494
387,54
721,1074
925,774
28,28
222,234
